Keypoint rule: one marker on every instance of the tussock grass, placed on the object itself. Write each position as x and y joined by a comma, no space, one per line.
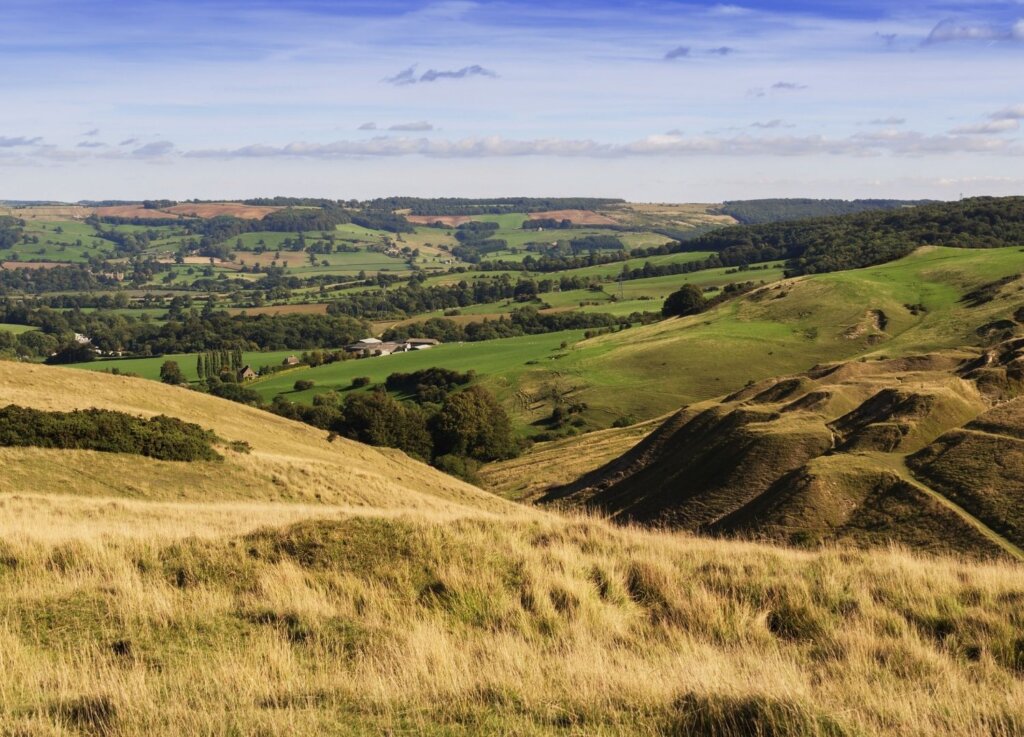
478,624
316,588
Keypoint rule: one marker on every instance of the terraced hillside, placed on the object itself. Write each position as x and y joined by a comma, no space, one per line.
310,587
823,456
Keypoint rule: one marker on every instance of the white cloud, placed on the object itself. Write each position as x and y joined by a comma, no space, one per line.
1002,125
900,143
1015,112
769,124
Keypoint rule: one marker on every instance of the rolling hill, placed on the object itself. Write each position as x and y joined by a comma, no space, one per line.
923,450
310,587
913,305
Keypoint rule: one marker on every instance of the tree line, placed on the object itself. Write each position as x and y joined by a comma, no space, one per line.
773,210
523,321
867,238
190,332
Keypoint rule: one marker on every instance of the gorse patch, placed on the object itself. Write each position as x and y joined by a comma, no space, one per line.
161,437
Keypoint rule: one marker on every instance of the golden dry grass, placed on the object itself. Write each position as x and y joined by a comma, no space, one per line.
561,461
402,602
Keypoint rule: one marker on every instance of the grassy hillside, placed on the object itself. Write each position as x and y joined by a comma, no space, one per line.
785,328
822,457
317,588
289,461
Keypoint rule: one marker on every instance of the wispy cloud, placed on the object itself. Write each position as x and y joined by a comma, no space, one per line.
950,30
154,150
679,52
91,133
1015,112
788,86
1003,125
371,126
408,76
8,142
420,125
891,120
770,124
128,142
91,144
722,51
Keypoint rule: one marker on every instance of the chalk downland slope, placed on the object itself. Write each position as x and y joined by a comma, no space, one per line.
288,461
821,457
310,587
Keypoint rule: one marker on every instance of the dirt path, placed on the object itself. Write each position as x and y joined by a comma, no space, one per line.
1007,546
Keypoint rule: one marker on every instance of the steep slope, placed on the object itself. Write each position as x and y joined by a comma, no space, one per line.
820,457
289,461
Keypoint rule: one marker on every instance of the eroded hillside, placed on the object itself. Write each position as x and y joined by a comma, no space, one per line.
924,451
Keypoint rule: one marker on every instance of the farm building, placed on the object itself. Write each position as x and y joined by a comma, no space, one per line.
246,374
375,347
419,344
290,361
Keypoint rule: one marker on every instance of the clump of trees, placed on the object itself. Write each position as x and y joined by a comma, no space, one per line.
10,231
688,300
171,373
219,364
161,437
428,385
453,430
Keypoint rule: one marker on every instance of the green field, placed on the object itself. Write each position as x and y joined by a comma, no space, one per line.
499,361
149,368
16,329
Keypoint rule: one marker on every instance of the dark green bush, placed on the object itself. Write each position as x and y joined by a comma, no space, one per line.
161,437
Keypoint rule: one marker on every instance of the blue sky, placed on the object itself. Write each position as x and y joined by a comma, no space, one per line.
653,101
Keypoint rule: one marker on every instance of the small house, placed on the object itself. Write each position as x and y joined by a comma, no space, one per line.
290,361
246,374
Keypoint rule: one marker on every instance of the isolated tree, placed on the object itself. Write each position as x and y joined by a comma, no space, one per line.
686,301
170,373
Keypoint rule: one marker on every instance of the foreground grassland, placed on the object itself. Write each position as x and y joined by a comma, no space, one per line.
328,588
